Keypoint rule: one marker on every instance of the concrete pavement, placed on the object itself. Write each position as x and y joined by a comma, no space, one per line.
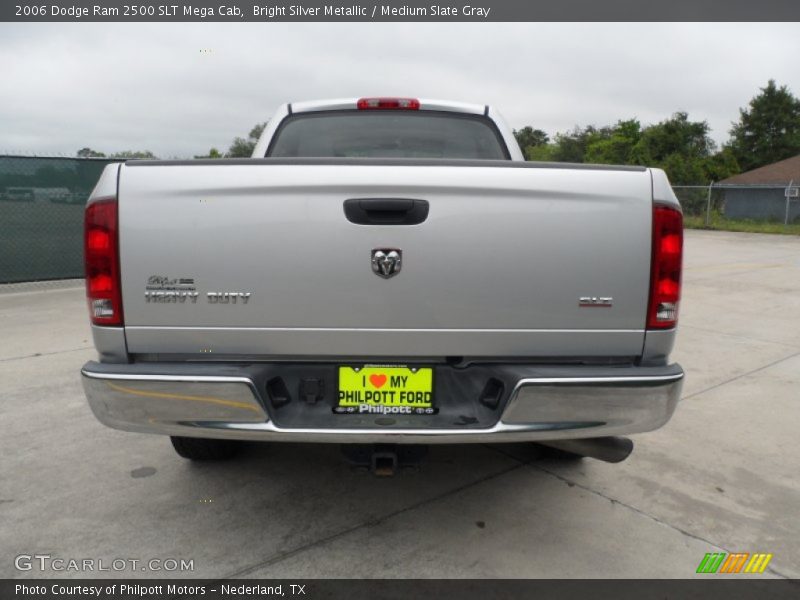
721,476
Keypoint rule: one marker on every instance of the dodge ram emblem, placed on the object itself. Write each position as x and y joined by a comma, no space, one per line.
386,262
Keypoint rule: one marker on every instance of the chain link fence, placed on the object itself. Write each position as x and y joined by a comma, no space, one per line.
41,217
767,207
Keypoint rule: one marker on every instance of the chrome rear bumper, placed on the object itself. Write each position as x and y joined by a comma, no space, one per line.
557,403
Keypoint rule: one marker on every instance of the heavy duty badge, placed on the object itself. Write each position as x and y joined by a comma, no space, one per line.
165,290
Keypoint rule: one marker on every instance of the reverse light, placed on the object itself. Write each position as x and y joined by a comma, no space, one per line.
665,269
101,262
388,104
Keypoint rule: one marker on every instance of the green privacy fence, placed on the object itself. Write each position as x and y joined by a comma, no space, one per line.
41,216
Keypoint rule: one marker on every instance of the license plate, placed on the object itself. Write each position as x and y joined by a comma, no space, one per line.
386,389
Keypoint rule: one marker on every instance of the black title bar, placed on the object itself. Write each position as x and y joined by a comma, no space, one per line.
707,588
399,10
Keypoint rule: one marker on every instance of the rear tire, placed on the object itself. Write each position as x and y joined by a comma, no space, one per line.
205,449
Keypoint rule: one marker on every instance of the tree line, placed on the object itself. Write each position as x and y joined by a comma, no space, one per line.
239,148
768,130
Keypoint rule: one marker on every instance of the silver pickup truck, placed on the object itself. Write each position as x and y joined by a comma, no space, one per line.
383,270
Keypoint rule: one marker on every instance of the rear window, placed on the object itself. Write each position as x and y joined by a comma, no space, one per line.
387,134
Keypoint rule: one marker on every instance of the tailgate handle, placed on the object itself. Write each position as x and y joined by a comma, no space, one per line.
386,211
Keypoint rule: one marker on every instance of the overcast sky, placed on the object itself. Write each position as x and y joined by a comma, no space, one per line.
148,86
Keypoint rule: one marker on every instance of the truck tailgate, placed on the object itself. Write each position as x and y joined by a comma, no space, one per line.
496,269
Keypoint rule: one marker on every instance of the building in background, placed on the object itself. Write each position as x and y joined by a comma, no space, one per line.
762,193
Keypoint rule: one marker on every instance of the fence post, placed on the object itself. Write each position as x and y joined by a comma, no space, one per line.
788,201
708,205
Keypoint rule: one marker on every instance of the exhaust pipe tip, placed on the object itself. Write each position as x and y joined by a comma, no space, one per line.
608,449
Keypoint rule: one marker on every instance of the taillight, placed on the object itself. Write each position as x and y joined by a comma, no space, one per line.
665,270
101,262
388,104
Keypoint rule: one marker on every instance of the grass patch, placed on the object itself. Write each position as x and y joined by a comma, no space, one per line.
720,223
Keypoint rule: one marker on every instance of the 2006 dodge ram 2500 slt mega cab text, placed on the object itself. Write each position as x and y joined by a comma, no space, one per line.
383,271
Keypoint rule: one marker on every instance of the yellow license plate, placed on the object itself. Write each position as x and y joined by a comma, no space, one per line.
390,389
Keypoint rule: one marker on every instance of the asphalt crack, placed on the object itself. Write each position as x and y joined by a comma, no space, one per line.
571,483
741,375
738,336
281,556
38,354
